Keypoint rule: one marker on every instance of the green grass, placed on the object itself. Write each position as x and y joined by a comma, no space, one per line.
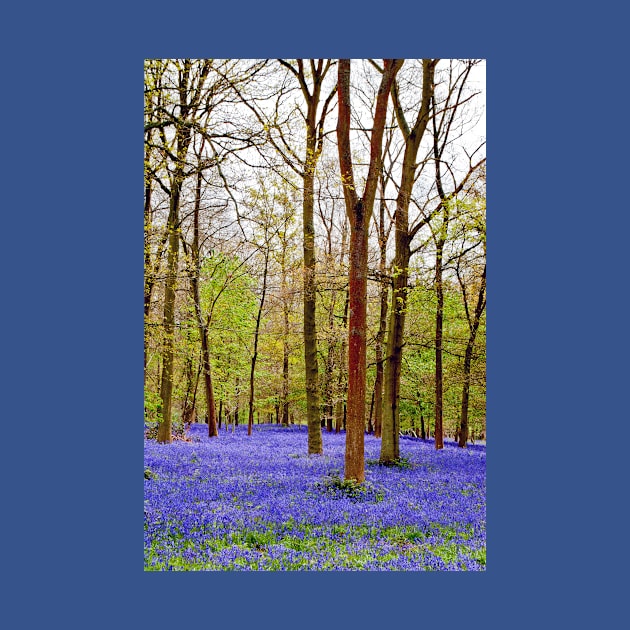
333,547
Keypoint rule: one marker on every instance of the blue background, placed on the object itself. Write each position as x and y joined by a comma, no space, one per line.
72,315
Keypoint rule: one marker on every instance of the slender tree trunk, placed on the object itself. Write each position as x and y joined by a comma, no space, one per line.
202,324
461,436
439,325
342,378
285,375
284,396
237,395
194,400
188,408
370,427
250,420
440,141
382,325
378,382
147,264
423,434
474,326
328,382
207,380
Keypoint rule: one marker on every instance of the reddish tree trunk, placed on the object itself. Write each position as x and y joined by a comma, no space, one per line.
474,326
355,420
359,210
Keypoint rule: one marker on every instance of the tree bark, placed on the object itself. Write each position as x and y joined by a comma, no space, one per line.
440,141
202,323
355,421
474,326
359,211
284,395
315,445
343,372
382,322
183,136
390,442
237,394
207,380
423,434
285,374
164,433
439,325
250,419
147,263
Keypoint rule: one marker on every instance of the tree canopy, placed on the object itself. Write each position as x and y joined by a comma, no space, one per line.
315,249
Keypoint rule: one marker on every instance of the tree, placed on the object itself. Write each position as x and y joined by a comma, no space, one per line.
474,221
265,220
314,139
390,450
202,322
264,126
383,236
443,127
229,307
154,72
189,90
181,123
473,322
359,210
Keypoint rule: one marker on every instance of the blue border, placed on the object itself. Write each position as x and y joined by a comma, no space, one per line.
73,324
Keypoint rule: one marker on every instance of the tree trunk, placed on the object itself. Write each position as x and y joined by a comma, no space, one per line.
359,211
423,434
474,326
440,142
250,419
370,426
207,380
355,421
378,381
147,263
182,139
328,386
342,380
285,370
188,407
285,382
202,324
343,363
382,324
315,445
164,433
237,394
390,443
314,139
439,325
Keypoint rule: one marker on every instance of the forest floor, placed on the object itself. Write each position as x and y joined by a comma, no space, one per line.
259,502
